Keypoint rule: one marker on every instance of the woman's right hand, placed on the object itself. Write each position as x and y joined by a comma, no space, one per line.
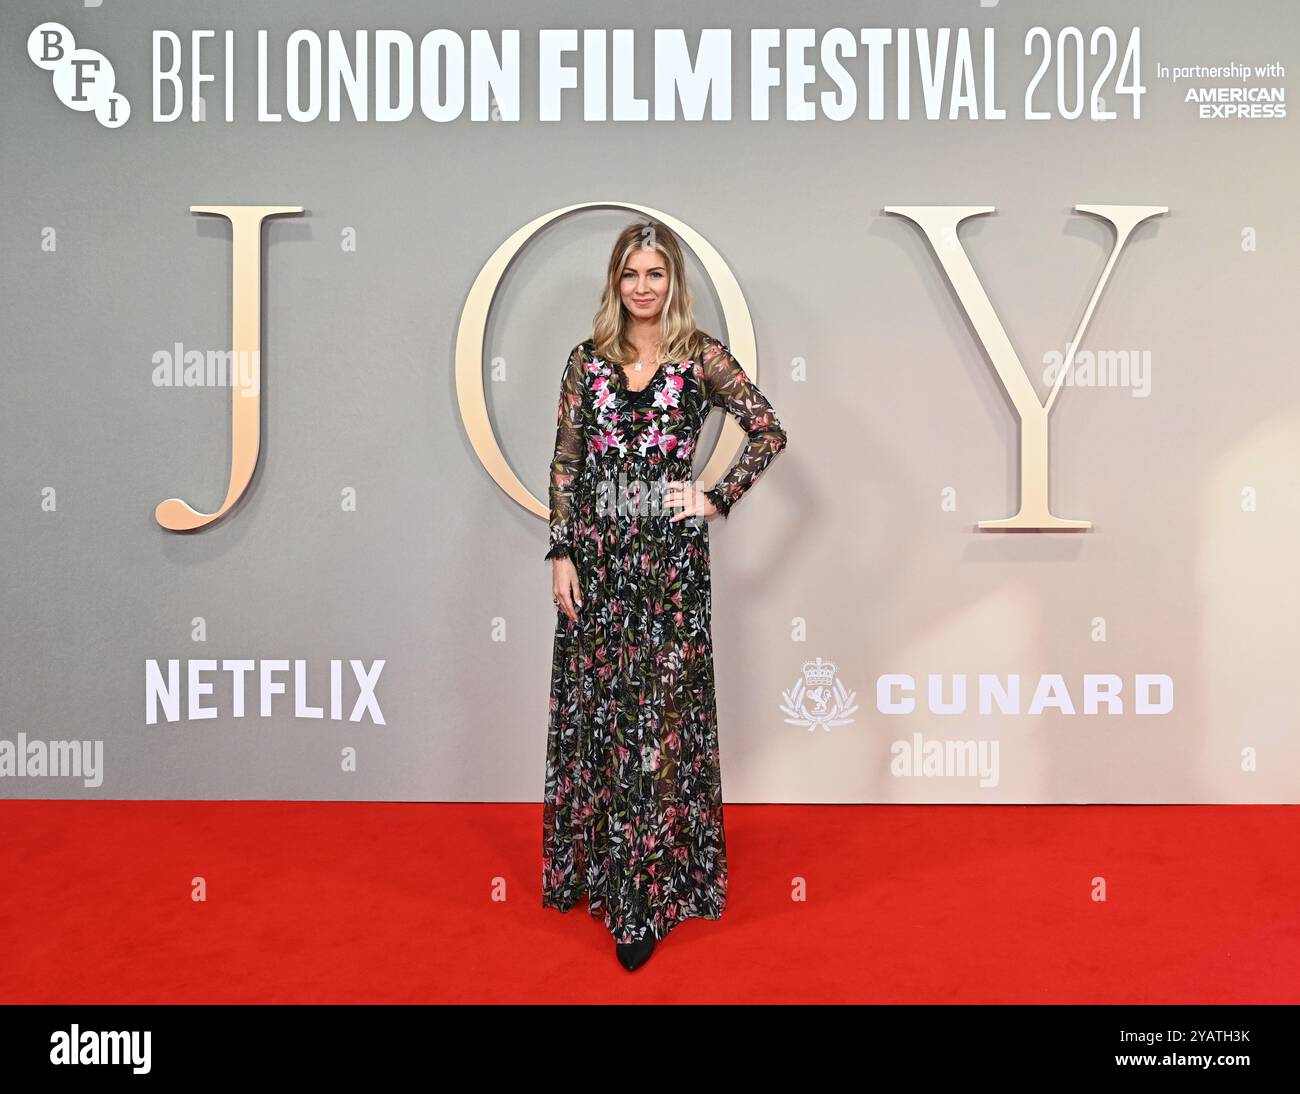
565,588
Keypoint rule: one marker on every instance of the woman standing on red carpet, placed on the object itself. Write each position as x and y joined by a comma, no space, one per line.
633,798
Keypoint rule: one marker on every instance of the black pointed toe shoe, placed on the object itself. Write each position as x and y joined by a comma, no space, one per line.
632,955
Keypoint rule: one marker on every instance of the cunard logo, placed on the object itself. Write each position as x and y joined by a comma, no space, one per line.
819,699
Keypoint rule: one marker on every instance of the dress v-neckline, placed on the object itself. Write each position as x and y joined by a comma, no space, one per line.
654,379
618,378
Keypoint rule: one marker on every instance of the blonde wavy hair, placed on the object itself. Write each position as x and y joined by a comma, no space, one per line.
677,331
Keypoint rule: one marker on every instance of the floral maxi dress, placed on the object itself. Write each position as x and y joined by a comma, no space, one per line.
633,799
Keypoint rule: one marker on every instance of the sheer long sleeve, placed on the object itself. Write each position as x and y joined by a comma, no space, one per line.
729,387
570,449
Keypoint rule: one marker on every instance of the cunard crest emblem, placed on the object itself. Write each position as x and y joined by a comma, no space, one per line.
819,699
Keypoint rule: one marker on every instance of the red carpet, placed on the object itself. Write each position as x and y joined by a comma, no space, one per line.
371,902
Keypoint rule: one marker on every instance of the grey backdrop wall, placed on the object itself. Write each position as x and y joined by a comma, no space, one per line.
858,546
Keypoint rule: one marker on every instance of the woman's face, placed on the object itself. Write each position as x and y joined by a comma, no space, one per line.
644,283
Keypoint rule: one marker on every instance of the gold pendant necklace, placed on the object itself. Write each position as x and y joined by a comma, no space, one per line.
637,366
